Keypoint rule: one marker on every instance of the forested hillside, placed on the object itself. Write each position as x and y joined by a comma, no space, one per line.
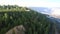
34,22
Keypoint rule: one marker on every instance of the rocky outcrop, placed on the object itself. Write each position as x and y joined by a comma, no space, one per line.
17,30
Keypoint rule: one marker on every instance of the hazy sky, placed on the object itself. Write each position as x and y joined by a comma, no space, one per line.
32,3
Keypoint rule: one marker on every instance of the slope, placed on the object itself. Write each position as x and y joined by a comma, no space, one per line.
34,22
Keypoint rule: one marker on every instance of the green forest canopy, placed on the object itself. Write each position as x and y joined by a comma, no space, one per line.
34,22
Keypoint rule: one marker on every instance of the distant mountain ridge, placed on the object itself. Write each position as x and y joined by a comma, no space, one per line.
46,11
43,10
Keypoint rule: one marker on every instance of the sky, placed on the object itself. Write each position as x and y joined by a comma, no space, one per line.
32,3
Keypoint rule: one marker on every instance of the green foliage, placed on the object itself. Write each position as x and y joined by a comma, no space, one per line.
34,22
6,8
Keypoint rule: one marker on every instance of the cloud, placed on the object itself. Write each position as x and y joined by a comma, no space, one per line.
55,12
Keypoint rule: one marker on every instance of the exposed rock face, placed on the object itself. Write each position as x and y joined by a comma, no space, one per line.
17,30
